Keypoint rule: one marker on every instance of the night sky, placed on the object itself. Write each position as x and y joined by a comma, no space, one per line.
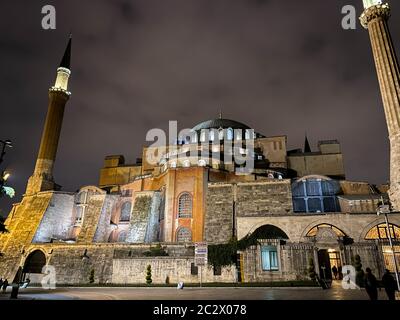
281,67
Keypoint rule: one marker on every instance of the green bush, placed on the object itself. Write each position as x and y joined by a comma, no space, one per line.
156,251
91,276
148,275
311,269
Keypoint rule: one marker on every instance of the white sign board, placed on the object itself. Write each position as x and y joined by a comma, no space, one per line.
200,253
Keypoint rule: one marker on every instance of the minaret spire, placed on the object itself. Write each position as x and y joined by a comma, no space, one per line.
66,59
375,19
307,147
42,178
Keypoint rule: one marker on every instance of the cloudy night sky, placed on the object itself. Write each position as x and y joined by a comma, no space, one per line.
281,67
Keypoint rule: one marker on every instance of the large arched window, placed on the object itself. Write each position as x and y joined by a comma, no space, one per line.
185,205
184,235
315,195
379,232
125,212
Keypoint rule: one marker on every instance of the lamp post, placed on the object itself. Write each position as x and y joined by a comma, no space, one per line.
385,209
5,143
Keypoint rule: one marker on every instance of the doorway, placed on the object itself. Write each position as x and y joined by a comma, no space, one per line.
324,264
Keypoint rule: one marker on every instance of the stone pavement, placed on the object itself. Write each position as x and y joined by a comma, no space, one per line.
218,293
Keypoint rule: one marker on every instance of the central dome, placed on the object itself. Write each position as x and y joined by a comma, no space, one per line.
220,123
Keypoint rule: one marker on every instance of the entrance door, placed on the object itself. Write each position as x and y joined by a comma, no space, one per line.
324,264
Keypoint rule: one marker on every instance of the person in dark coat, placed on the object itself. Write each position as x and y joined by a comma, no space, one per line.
371,285
335,272
390,285
340,273
5,285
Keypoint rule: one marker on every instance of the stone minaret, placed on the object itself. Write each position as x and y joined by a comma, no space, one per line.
375,18
42,178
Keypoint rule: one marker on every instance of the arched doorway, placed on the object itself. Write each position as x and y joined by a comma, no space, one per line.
34,264
327,238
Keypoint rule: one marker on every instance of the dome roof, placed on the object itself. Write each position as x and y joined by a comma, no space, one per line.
220,123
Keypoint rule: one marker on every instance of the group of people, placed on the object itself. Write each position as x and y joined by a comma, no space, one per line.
337,272
371,285
3,285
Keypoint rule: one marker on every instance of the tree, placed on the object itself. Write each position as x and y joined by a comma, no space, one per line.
91,276
359,271
311,269
148,275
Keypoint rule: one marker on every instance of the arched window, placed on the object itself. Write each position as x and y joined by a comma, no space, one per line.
212,135
202,163
186,163
315,195
203,136
221,134
126,212
185,205
229,134
194,137
122,236
379,232
314,231
183,235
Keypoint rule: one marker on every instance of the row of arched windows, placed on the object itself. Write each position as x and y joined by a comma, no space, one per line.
218,134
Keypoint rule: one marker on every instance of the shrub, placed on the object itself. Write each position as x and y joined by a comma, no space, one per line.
311,269
91,276
148,275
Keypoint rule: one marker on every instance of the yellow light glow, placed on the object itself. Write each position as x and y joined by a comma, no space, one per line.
6,176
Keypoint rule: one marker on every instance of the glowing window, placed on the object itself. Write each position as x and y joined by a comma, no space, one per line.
380,232
230,134
185,205
184,235
269,258
313,232
203,136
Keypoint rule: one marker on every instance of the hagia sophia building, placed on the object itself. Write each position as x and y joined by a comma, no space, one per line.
297,204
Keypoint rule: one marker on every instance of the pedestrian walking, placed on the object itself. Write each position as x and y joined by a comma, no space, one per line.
371,285
335,272
4,286
390,285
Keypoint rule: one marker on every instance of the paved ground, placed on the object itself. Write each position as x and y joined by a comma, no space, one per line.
129,293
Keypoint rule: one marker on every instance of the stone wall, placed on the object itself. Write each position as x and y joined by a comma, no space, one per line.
57,219
131,271
293,262
140,217
264,198
219,213
22,224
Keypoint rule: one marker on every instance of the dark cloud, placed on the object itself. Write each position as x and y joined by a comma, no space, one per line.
282,67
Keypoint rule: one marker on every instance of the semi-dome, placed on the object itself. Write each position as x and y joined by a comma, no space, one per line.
220,123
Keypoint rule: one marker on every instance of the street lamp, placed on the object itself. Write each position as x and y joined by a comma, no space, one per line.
5,143
385,209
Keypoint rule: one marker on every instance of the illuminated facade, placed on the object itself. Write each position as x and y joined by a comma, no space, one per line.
296,203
